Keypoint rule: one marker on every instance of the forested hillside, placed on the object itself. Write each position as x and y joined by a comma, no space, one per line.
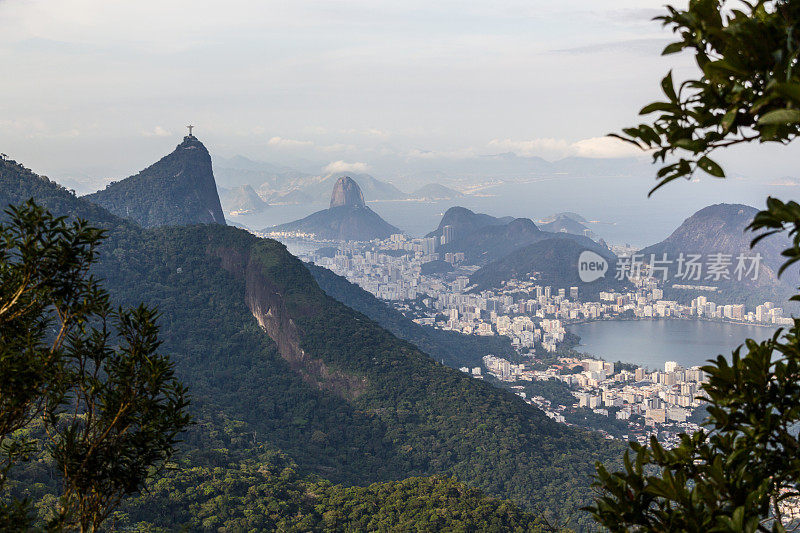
343,398
553,261
452,347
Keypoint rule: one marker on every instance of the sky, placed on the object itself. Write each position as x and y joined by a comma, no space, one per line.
103,88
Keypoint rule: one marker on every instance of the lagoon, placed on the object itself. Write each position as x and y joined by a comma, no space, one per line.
650,343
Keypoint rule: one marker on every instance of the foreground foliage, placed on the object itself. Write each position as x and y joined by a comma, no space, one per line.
265,492
742,472
82,382
748,91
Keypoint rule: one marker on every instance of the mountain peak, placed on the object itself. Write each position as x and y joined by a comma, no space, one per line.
522,225
347,192
176,190
348,218
190,140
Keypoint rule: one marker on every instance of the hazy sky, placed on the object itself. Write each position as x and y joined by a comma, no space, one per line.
105,87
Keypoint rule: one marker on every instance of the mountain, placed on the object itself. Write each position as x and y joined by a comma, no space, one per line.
241,200
464,222
317,189
238,171
347,193
348,218
491,242
484,238
178,189
276,365
18,184
452,348
721,229
435,191
566,222
554,262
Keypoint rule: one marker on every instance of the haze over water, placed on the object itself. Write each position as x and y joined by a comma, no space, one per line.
619,207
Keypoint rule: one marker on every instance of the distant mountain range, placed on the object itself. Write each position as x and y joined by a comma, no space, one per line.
241,200
287,184
178,189
238,171
317,189
435,191
484,238
567,222
348,217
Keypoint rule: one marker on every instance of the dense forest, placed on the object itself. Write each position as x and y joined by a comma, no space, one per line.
343,399
454,349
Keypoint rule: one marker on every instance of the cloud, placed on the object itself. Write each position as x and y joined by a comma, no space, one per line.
604,147
368,132
594,147
534,147
344,166
280,142
158,131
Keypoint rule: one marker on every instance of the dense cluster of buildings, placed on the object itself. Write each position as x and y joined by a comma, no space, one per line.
659,401
534,316
530,314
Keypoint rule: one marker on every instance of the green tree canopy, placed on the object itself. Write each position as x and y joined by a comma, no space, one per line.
82,381
748,91
742,471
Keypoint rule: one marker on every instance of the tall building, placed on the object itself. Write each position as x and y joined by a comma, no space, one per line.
448,233
573,293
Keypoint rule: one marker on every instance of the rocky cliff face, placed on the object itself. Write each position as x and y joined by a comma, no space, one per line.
177,190
266,303
347,192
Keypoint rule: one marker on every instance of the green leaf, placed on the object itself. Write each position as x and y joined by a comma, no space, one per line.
789,90
780,116
657,106
669,88
728,119
711,167
673,48
726,68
